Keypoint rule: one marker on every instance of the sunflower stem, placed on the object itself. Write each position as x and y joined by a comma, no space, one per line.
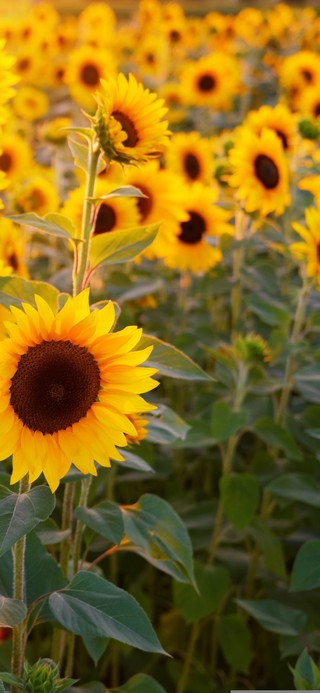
81,258
19,632
237,259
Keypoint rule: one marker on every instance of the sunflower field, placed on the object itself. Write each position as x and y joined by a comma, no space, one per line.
159,346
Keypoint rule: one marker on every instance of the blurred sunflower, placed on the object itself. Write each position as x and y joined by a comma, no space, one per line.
308,249
297,72
212,81
190,155
12,248
85,68
129,120
16,156
97,24
279,119
172,94
250,26
8,78
30,103
194,246
151,56
35,194
312,184
67,387
260,172
111,214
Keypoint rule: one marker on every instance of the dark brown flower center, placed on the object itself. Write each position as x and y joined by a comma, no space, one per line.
193,229
206,82
316,110
174,36
144,204
5,161
283,138
192,166
13,261
90,75
105,219
308,76
54,386
23,64
318,252
127,125
266,171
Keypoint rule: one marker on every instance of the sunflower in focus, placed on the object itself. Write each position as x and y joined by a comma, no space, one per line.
67,388
16,156
260,172
195,244
85,68
129,120
212,81
308,249
279,119
12,248
190,155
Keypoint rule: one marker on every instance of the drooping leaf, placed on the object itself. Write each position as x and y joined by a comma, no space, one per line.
95,647
105,519
239,497
54,224
12,611
274,616
134,461
20,513
306,567
156,532
93,607
212,581
170,361
115,247
235,641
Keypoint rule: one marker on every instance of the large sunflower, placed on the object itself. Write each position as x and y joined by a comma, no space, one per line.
68,388
130,124
308,249
191,156
260,172
278,118
194,246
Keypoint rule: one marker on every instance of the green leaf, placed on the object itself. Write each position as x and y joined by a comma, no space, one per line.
240,495
123,191
79,151
105,519
49,532
16,290
92,606
140,683
225,422
95,647
296,487
235,641
273,434
165,426
53,224
306,674
306,567
20,513
270,545
213,583
171,361
274,616
156,532
6,677
12,611
115,247
307,382
269,310
134,461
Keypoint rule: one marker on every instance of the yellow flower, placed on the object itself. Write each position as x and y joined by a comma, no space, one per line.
251,26
12,248
260,172
277,118
86,67
130,121
140,425
308,249
191,156
36,194
30,104
212,81
298,72
8,79
195,244
67,389
16,156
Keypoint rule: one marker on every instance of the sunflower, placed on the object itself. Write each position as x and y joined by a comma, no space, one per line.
35,194
97,21
140,425
67,388
309,248
260,172
312,184
250,26
165,199
212,81
130,121
172,93
85,68
16,156
12,248
151,56
279,119
190,155
298,72
30,103
194,246
8,79
111,214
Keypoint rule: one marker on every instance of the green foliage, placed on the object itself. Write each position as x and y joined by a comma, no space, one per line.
306,568
116,247
225,422
170,361
140,683
212,582
53,224
21,513
12,611
306,673
240,498
234,637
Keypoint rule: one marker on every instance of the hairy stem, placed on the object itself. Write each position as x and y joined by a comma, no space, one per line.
19,631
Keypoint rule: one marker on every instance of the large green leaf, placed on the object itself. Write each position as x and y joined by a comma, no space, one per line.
12,611
115,247
91,606
156,532
54,224
20,513
240,495
296,487
105,519
213,582
225,422
274,616
170,361
273,434
306,568
165,426
140,683
235,641
16,290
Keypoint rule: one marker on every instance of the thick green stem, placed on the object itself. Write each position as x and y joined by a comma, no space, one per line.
81,259
238,258
19,631
183,681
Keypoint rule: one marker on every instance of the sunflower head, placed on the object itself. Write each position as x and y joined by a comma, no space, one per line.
129,121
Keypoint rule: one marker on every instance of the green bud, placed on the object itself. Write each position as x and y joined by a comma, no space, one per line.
309,129
252,348
43,677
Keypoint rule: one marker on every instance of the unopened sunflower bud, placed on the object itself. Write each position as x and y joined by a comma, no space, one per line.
252,348
43,677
